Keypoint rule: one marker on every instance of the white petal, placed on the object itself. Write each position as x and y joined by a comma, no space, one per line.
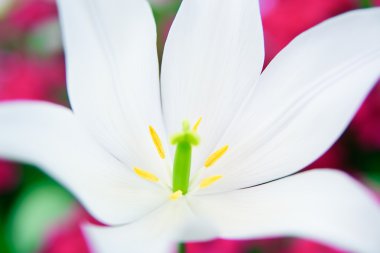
303,102
212,59
324,205
157,232
113,81
50,137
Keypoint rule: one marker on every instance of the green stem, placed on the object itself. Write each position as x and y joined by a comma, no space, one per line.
181,248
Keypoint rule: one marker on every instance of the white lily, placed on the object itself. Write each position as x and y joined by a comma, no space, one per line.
113,153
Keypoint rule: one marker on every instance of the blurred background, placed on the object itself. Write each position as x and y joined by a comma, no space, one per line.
38,216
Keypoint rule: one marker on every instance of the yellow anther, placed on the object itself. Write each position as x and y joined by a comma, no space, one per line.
146,175
209,181
215,156
175,195
195,127
157,142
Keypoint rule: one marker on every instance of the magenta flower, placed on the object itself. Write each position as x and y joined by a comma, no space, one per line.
366,124
28,78
284,20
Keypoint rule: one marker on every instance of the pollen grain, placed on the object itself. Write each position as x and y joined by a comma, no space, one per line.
175,195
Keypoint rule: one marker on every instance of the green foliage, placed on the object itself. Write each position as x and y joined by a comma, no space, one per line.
40,205
366,3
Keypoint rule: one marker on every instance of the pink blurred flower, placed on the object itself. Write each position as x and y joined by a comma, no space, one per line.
271,245
284,20
9,177
302,246
28,13
25,78
333,158
67,236
366,124
266,6
216,246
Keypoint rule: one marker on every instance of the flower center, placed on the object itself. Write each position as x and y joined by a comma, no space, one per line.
184,141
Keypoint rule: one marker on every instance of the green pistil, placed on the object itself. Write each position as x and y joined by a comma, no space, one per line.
182,160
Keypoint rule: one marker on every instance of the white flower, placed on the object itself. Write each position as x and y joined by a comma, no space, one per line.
113,152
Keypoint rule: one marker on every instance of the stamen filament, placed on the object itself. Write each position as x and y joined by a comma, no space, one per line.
215,156
195,127
157,142
209,181
146,175
175,195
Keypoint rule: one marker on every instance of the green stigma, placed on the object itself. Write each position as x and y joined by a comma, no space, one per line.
182,159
